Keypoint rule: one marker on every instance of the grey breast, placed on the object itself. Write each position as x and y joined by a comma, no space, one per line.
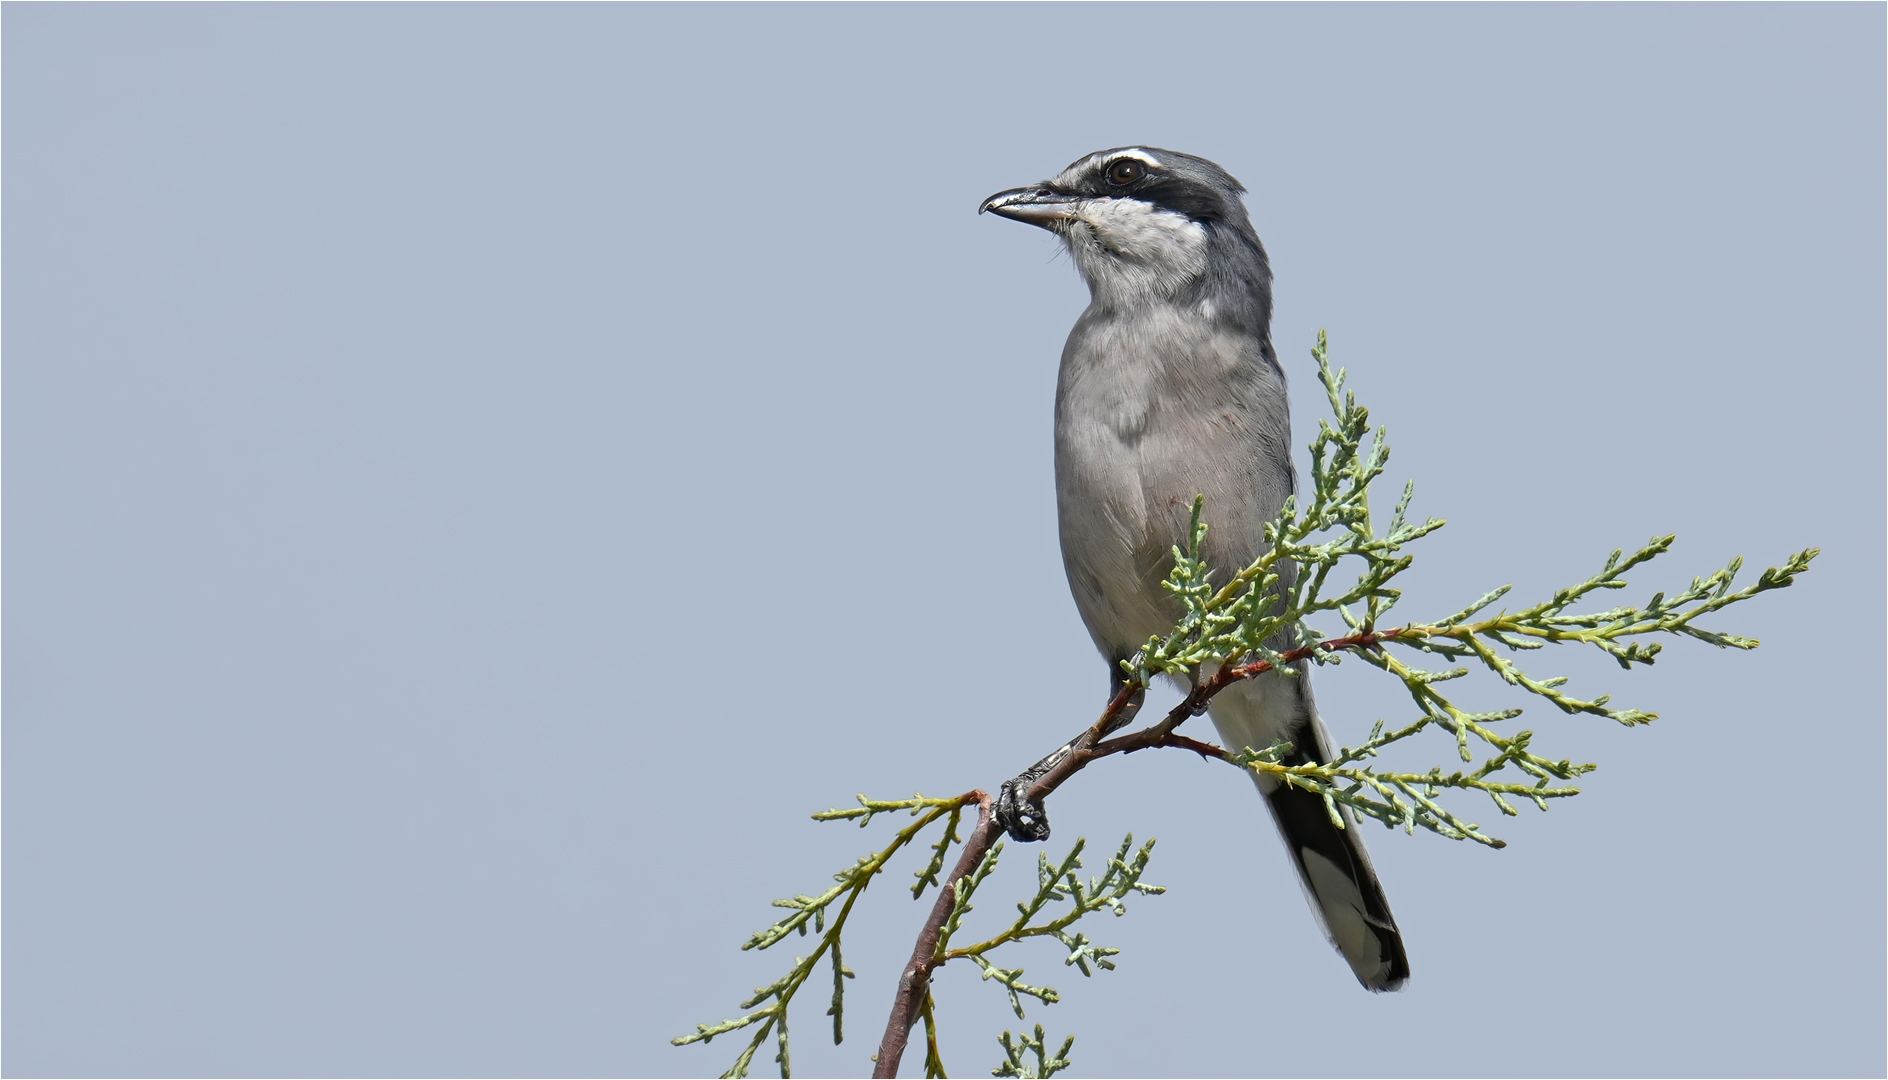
1154,405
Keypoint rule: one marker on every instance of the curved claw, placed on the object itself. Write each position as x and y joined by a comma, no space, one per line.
1025,821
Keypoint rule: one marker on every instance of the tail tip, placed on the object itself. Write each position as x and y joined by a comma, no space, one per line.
1388,972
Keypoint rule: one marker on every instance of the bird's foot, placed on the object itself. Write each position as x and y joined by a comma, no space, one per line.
1025,820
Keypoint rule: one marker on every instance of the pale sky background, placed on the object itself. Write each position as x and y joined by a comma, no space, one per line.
476,478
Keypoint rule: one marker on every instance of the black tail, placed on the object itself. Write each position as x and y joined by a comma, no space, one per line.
1332,863
1342,887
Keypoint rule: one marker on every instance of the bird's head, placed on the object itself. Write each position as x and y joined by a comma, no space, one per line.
1139,221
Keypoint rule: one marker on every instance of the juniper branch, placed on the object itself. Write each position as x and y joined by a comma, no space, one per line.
852,882
1016,1063
1259,623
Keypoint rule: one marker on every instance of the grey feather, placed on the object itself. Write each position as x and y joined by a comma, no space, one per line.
1170,388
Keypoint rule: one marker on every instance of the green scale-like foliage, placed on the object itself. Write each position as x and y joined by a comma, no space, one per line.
1228,632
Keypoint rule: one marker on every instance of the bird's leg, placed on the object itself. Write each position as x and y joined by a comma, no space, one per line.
1024,818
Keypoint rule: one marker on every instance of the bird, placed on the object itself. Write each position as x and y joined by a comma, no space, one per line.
1170,388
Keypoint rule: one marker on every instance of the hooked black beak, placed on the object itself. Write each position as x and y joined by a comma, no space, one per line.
1038,205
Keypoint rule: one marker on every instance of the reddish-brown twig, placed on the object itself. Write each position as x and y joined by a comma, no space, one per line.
915,982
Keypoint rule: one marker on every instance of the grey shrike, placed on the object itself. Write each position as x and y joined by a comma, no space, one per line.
1170,388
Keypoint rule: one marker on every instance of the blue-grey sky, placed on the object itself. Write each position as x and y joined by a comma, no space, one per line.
476,478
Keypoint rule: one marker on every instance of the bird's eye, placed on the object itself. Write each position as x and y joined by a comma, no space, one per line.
1125,172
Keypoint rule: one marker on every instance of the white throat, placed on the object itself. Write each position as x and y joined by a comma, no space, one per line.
1128,250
